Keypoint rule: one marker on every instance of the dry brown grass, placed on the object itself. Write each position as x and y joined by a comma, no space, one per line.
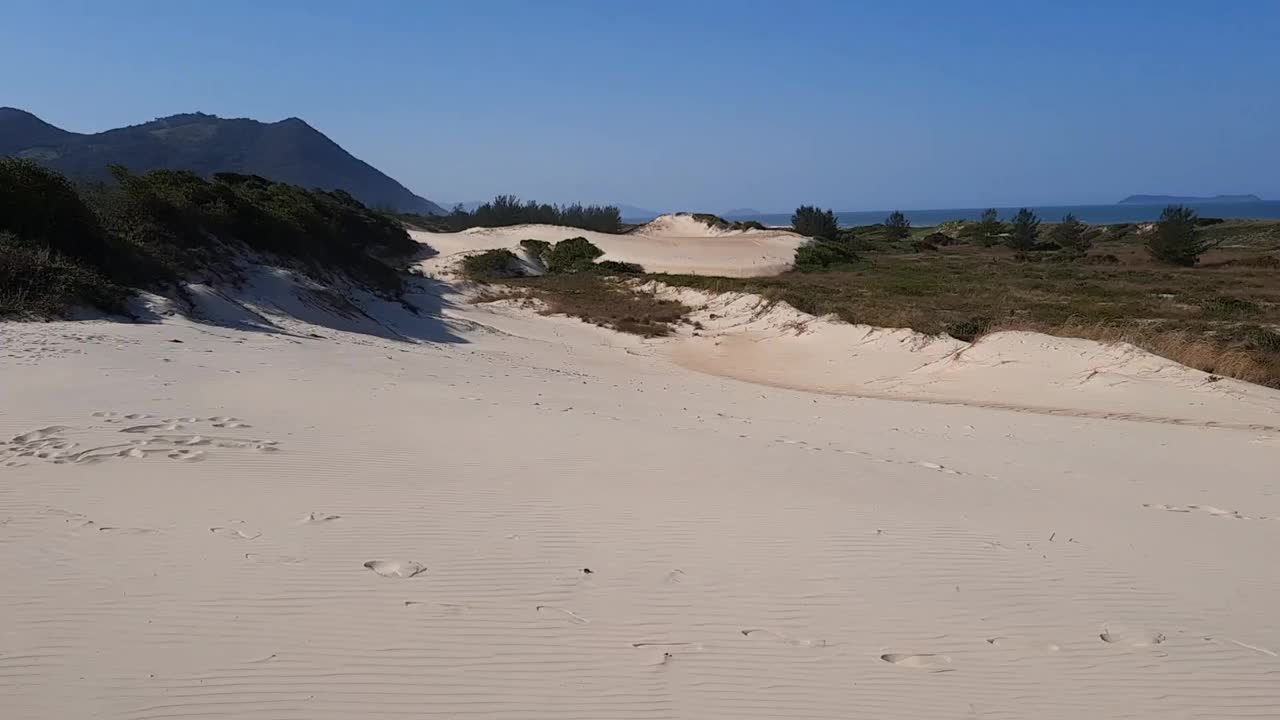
598,300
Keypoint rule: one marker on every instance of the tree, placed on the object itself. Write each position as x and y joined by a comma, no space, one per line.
812,222
897,225
1023,231
1176,239
1070,235
989,228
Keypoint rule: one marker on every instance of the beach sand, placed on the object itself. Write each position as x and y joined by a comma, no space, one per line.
282,511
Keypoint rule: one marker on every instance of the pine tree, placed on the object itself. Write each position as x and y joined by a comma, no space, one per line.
1024,231
1070,235
897,225
1176,239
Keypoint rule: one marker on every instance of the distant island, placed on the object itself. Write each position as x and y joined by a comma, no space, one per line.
742,212
1174,199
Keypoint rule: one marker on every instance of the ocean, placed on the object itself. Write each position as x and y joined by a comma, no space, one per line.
1096,214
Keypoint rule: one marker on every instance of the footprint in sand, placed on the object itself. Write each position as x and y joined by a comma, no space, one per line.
318,517
923,661
102,440
233,533
1208,509
568,614
1016,643
127,530
396,568
1130,636
785,639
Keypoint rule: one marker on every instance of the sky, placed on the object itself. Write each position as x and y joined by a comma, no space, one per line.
699,105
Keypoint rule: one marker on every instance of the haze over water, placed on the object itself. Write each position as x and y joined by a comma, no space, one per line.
1097,214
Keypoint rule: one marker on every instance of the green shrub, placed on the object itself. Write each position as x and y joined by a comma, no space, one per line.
1176,239
988,229
492,265
1023,231
614,267
817,255
152,229
812,222
1071,235
572,255
40,283
897,226
539,249
720,223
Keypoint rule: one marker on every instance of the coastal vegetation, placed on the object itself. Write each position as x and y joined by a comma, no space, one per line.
509,210
1100,282
63,246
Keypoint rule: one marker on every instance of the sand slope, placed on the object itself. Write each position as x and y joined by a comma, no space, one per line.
746,337
670,244
307,515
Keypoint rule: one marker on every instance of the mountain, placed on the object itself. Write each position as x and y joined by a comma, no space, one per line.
288,151
1174,199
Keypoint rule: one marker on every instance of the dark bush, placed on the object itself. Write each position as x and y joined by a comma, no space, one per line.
613,267
969,329
1176,239
897,225
988,229
812,222
1071,235
492,265
923,245
40,283
1024,230
153,229
818,255
572,255
539,250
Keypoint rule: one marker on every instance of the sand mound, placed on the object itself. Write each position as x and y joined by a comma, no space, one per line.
669,244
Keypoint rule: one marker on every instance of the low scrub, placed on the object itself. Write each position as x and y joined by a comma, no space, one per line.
719,223
150,230
603,302
819,255
492,265
567,257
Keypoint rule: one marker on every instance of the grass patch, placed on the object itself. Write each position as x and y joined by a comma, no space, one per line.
602,301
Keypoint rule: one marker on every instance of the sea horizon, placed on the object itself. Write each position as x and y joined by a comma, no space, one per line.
1096,214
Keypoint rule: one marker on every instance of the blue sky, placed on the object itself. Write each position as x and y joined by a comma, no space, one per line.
700,105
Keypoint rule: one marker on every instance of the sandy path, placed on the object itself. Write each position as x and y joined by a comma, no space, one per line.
755,552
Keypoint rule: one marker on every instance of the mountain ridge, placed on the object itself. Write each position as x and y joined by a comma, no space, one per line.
289,150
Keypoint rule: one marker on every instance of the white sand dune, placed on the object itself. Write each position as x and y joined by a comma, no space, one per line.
669,244
302,507
746,337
